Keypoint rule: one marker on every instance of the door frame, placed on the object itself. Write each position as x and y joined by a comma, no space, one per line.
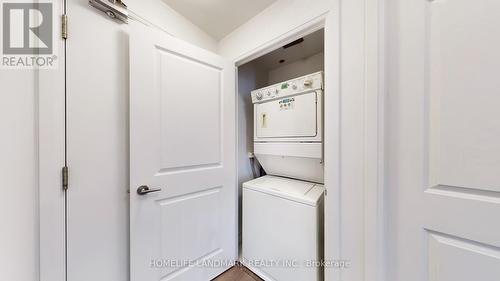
51,158
372,211
50,95
375,137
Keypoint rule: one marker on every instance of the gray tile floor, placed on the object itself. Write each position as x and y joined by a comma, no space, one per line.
238,273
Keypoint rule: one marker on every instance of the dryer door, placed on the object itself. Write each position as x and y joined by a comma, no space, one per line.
289,117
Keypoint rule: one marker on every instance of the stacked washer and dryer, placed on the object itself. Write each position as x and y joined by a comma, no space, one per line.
283,210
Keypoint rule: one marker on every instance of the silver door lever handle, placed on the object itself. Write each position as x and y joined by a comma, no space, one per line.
144,189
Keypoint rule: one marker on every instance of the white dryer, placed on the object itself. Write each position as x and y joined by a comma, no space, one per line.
283,228
288,128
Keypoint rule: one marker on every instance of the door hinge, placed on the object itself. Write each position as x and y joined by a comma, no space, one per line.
65,177
64,26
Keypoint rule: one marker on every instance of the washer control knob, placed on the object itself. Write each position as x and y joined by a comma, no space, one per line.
294,87
308,83
259,96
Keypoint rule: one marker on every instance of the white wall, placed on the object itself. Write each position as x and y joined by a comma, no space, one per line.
18,177
250,77
277,21
98,135
298,68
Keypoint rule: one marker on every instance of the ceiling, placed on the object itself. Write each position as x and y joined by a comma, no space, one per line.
218,17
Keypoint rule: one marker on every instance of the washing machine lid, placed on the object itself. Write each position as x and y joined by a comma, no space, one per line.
299,191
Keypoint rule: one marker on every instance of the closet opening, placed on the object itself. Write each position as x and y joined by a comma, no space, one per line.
280,160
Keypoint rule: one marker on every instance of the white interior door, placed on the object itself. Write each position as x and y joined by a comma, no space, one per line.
182,144
444,140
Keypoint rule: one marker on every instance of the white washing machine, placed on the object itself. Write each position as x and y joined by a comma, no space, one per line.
283,228
288,128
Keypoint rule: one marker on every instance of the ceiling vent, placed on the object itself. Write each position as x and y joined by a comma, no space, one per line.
291,44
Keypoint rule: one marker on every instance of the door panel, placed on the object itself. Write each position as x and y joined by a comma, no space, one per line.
182,141
463,93
200,216
444,140
452,258
190,126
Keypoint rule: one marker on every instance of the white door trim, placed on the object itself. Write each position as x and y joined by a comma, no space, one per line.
50,94
51,197
375,24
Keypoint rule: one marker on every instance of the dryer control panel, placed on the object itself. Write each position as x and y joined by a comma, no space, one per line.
289,88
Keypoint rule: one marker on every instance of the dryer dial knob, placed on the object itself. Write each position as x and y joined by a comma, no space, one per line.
259,96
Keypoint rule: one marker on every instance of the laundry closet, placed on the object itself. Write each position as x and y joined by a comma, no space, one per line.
281,160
